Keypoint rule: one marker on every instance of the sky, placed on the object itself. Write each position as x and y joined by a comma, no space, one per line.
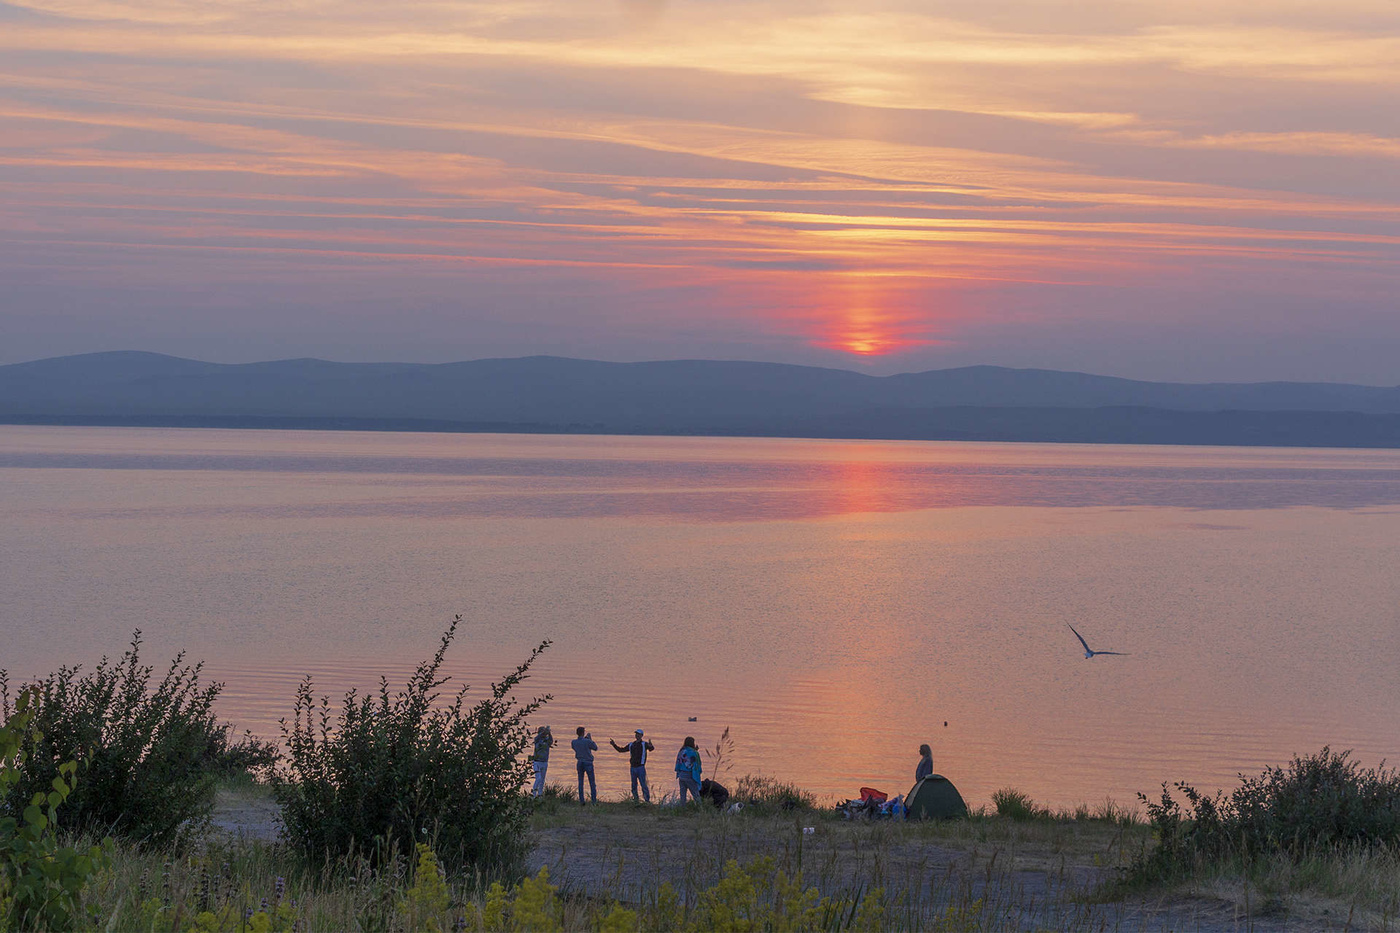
1163,190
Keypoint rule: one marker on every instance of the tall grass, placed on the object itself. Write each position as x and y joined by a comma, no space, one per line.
1016,805
733,872
769,795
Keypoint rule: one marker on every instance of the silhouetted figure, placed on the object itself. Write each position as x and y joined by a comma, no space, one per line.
715,793
925,767
688,769
584,747
544,741
638,750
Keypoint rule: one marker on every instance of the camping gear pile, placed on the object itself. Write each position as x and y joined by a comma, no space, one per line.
872,805
933,798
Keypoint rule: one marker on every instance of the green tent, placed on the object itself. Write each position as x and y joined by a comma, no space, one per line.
935,798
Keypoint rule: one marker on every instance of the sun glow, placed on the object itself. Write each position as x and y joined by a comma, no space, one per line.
711,172
872,315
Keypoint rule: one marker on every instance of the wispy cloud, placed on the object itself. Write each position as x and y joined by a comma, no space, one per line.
840,176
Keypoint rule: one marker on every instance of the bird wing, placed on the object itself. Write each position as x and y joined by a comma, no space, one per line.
1081,639
1122,653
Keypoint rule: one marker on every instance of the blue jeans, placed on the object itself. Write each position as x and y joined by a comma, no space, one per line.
540,768
586,767
640,774
688,783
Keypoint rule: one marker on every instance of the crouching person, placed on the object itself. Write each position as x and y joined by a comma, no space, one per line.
688,769
715,793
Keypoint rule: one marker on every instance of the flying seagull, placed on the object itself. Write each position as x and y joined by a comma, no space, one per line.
1090,652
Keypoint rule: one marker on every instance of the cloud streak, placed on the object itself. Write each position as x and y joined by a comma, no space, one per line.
781,180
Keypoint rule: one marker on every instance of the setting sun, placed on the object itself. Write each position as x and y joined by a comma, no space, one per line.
871,315
794,380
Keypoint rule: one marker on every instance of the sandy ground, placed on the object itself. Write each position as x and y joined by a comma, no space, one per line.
1034,876
246,813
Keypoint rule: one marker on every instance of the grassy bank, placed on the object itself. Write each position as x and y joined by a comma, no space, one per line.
405,812
625,866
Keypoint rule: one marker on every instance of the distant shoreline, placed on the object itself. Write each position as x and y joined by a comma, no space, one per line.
1118,425
693,398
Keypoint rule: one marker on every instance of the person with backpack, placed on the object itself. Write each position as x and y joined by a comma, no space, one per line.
688,768
584,747
638,750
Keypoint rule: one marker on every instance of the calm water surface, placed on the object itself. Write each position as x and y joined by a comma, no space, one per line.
834,603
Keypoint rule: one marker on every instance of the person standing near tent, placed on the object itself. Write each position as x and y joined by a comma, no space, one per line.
925,767
544,741
638,750
584,747
688,768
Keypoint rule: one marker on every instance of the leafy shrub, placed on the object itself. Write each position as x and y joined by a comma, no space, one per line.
148,746
1322,801
390,771
246,756
41,880
767,794
1017,805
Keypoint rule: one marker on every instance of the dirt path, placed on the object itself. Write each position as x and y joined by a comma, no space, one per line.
246,813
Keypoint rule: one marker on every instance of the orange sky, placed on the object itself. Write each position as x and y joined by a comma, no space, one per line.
1165,190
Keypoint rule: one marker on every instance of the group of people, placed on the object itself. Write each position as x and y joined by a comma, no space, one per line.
688,767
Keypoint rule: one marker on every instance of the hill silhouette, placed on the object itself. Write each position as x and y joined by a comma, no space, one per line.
692,397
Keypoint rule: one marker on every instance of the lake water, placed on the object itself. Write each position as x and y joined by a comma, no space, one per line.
833,603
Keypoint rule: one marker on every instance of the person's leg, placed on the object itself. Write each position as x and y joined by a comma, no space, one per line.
581,766
634,783
680,779
592,787
642,776
538,789
688,783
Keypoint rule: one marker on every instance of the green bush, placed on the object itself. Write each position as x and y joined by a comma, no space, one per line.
1017,805
41,881
152,747
1325,801
246,756
389,771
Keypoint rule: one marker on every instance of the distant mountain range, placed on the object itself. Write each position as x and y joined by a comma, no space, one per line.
552,394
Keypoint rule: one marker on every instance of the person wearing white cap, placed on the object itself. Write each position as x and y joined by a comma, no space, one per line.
638,749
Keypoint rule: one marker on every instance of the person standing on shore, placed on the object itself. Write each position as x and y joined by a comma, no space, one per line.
584,747
925,768
688,768
544,741
638,750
